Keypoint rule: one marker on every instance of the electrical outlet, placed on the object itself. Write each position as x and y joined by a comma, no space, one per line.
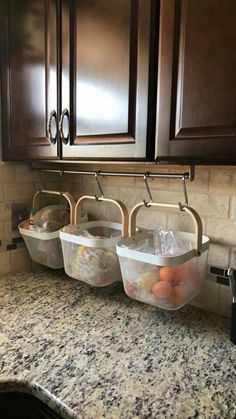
218,275
19,212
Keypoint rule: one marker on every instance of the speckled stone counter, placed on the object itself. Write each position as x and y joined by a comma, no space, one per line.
106,356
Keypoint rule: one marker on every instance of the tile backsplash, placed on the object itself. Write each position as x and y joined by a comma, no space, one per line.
212,194
17,184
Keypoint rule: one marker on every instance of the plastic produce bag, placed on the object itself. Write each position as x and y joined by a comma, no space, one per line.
165,285
167,244
51,218
89,252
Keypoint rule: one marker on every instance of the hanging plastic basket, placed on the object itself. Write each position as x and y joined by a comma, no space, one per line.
45,248
168,282
90,254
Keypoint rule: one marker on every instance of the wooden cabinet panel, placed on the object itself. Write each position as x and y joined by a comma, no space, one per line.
101,57
196,103
29,77
106,67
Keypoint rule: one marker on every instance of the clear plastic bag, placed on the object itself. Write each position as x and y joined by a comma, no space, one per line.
167,244
51,218
92,265
159,268
41,231
89,252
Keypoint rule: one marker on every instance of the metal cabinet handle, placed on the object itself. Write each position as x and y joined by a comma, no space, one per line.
64,113
53,139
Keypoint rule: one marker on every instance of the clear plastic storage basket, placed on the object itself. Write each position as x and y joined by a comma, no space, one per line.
45,248
90,254
168,282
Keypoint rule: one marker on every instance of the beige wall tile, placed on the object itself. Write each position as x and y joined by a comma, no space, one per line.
112,213
119,181
96,211
5,211
167,197
77,191
208,297
200,183
233,207
18,191
111,191
20,260
50,177
90,180
218,255
214,297
233,258
52,186
154,183
1,193
74,179
5,262
25,174
8,231
224,300
210,205
2,230
131,196
222,231
182,222
222,181
7,173
148,218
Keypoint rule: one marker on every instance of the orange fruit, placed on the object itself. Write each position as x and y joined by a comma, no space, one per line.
180,295
167,273
129,288
162,290
188,275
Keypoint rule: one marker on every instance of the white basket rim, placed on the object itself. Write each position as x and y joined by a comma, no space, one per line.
159,260
37,234
85,241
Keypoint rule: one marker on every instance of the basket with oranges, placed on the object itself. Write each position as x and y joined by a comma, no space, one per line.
168,281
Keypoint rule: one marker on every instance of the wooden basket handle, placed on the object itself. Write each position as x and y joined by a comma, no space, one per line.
119,204
65,195
194,215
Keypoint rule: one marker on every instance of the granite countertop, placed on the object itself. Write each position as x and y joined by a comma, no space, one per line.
105,356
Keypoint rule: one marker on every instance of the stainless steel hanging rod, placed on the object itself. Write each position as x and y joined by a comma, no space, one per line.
186,175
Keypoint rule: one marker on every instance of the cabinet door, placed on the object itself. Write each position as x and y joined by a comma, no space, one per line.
108,54
196,102
29,78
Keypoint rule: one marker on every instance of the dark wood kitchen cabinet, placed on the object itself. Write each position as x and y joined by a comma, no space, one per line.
196,100
108,66
29,79
92,63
